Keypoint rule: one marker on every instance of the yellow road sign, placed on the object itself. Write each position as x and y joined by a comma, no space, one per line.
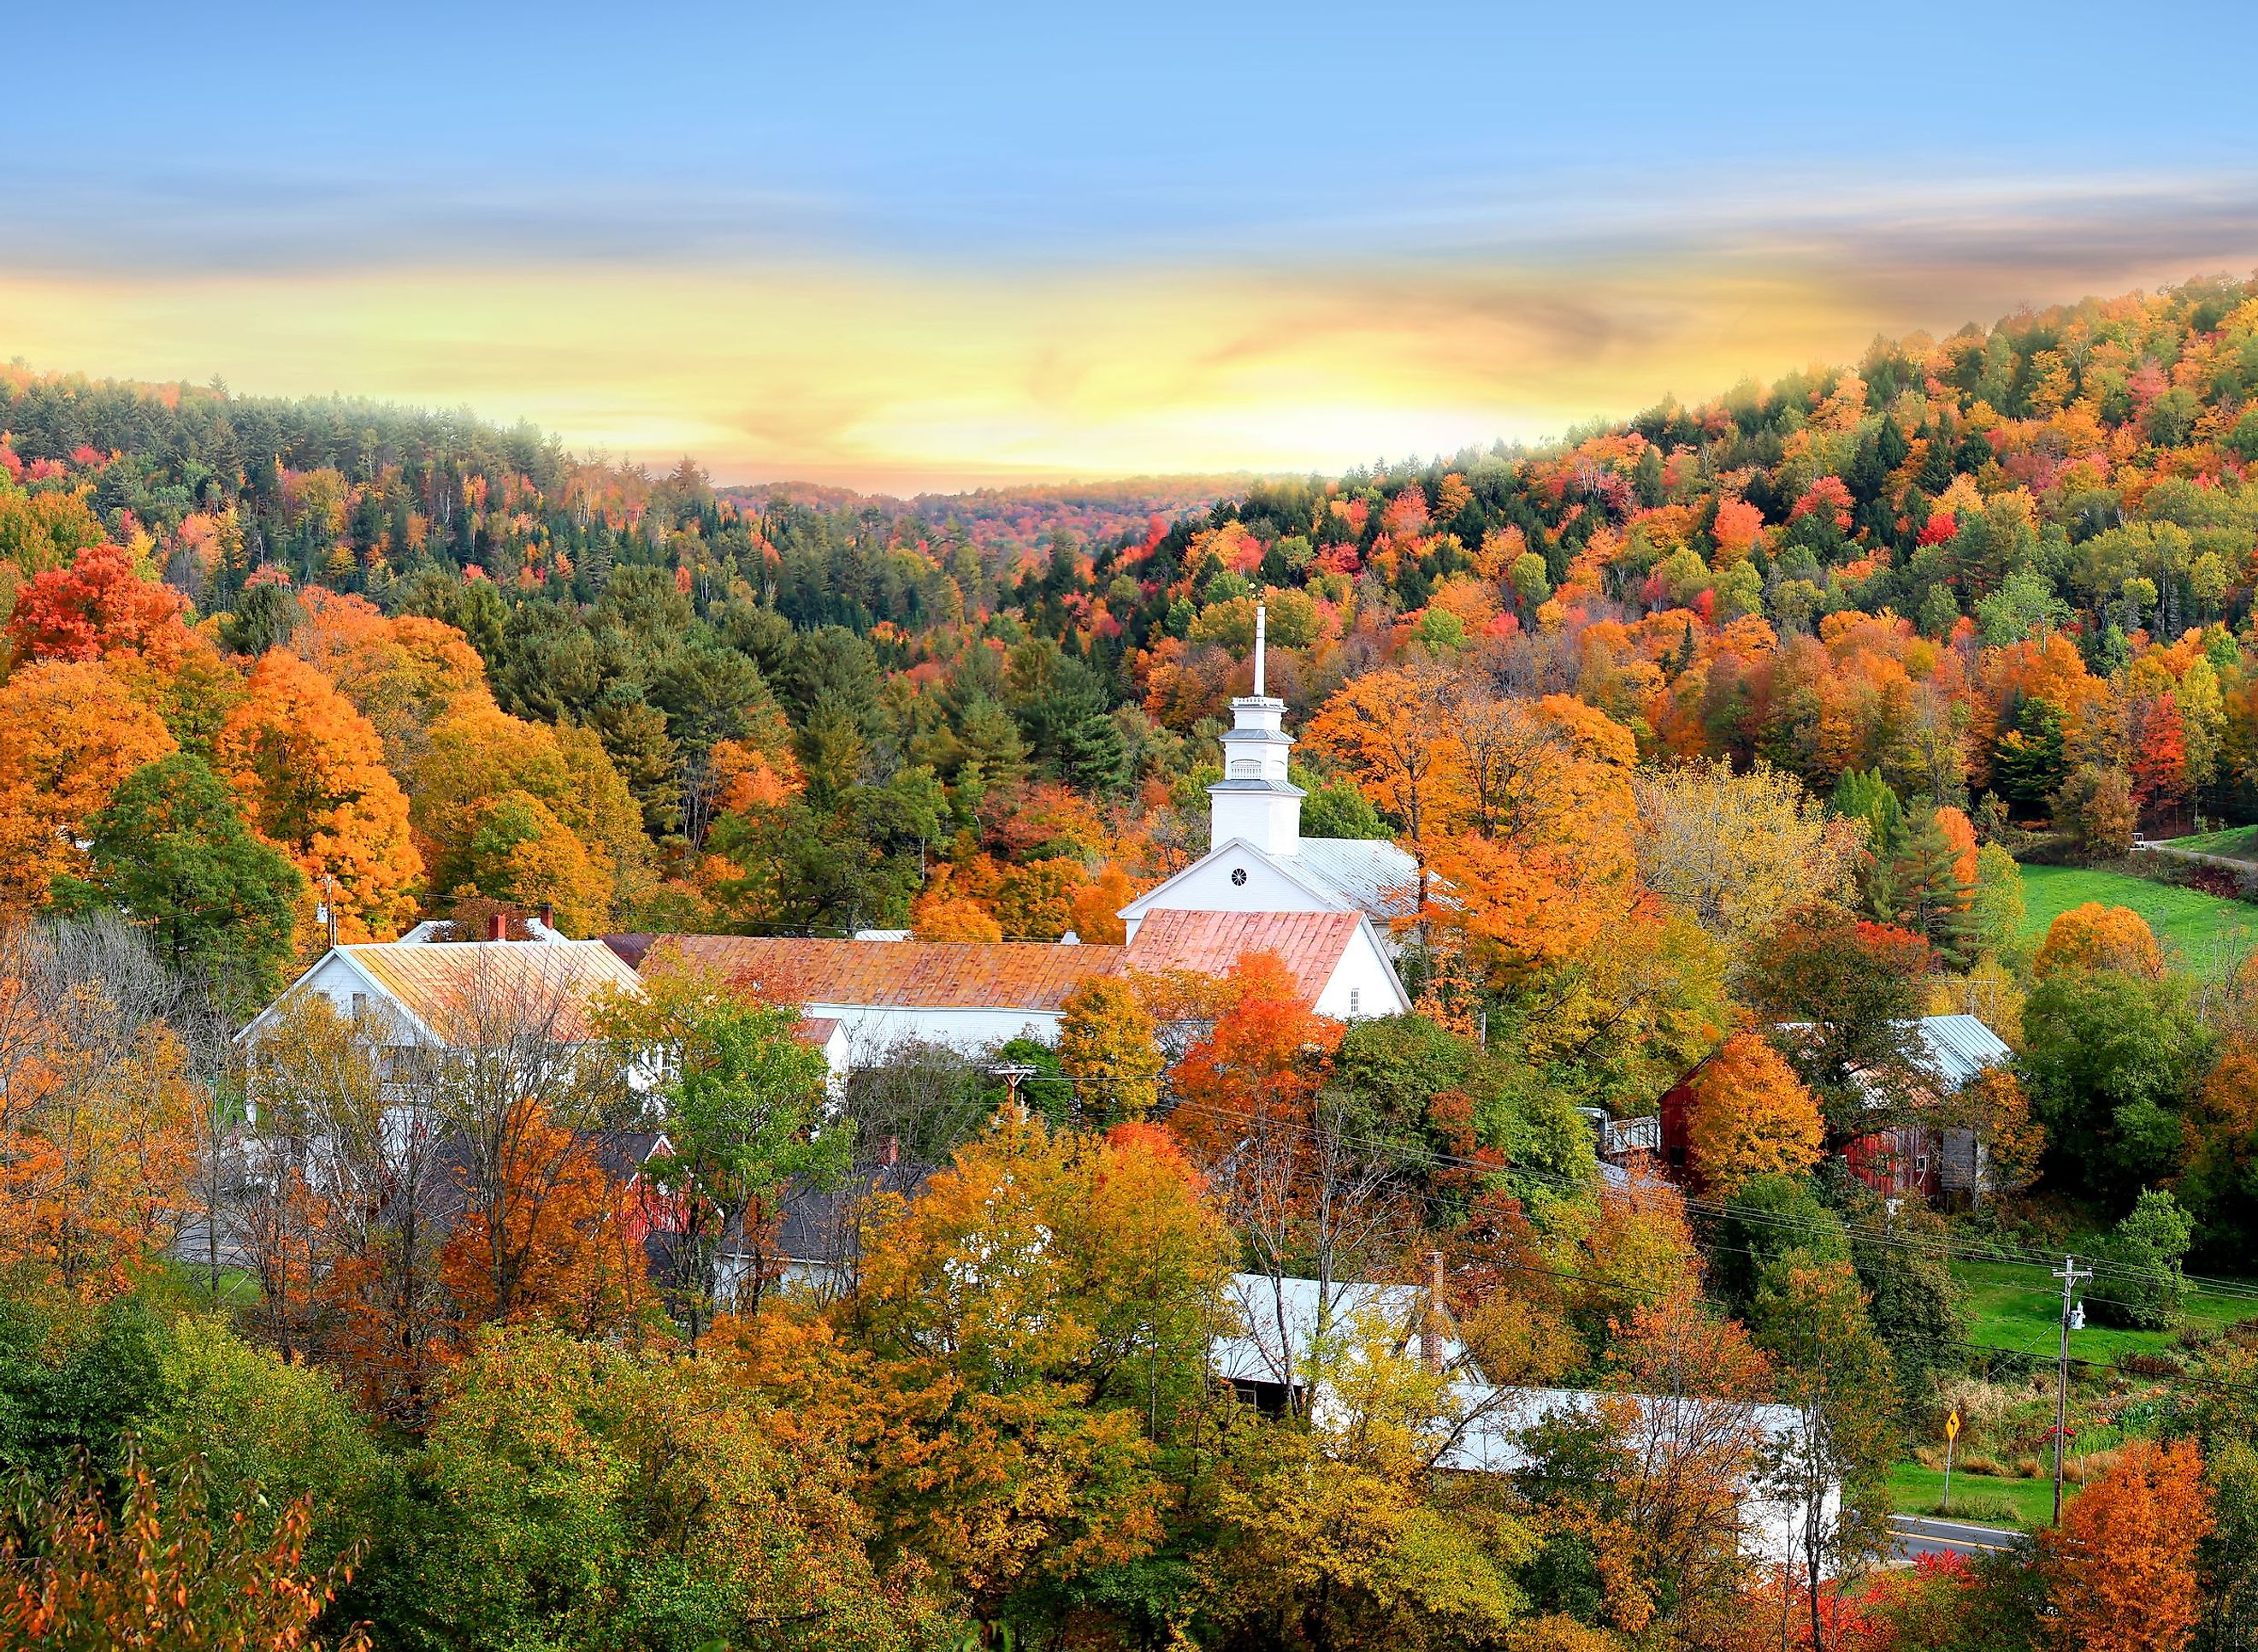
1952,1424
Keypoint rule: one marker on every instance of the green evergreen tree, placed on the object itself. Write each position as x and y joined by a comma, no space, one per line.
2026,763
1931,898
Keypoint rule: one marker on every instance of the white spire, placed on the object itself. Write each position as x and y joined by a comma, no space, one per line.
1254,799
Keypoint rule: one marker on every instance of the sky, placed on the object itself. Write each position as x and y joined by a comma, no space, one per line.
923,247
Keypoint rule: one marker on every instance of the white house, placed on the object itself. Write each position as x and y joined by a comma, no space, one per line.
435,996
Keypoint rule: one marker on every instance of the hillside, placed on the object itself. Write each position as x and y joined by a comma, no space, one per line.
1711,738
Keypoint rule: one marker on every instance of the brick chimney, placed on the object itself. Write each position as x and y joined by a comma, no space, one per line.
497,927
548,915
889,1149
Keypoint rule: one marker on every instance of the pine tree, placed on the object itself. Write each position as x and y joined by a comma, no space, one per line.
1932,899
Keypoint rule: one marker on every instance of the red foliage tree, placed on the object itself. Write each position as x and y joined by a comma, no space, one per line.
2159,751
99,605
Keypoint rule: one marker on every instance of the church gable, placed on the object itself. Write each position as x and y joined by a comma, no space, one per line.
1234,877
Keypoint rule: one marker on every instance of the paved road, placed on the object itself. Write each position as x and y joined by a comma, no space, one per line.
1917,1535
2196,855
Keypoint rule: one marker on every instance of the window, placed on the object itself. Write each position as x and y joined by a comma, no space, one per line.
1239,874
359,1006
1355,999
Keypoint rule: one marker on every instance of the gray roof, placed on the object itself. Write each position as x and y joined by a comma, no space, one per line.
1369,875
1496,1419
1492,1419
1959,1047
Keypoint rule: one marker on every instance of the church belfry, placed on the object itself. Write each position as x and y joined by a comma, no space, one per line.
1255,800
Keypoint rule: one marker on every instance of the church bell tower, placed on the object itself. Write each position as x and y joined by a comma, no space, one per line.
1255,800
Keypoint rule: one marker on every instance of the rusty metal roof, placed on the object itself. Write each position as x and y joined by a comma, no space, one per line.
1030,976
447,986
1210,943
922,974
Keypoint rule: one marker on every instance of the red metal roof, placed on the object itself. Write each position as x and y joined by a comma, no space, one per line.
1312,944
923,974
1033,976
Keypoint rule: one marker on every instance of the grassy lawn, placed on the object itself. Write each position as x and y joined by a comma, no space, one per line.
2010,1306
1982,1498
238,1288
2236,843
2201,933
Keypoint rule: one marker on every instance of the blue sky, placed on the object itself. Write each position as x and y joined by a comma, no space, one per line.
648,226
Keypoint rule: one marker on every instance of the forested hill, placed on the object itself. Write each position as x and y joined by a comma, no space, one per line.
1009,524
1987,567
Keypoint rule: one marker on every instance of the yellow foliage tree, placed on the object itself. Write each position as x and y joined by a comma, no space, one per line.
561,794
1734,851
1106,1045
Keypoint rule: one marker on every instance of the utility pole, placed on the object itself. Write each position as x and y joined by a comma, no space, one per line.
1012,1072
2071,1276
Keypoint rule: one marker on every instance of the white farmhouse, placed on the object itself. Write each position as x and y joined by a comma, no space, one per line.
423,993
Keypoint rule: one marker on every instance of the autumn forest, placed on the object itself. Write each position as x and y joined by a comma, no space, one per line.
1742,750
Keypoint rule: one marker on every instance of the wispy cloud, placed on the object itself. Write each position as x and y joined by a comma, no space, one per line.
777,334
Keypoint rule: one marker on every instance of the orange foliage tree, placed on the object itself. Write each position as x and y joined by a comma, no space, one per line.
1543,861
2098,937
309,770
2122,1563
165,1570
1751,1116
554,1238
1267,1055
96,1126
1385,730
70,733
400,673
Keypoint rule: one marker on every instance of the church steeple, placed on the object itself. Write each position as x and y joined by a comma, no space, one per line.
1255,800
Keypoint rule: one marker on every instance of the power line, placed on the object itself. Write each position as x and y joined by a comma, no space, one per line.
1938,1246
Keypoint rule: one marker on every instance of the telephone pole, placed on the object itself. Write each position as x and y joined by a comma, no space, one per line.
2071,1276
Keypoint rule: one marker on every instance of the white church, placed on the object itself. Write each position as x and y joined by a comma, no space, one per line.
1258,859
1321,904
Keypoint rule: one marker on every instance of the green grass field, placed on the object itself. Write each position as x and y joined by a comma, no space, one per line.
2201,933
2012,1305
2017,1308
2236,843
1915,1490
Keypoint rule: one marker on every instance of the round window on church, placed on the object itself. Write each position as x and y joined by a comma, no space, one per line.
1239,874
